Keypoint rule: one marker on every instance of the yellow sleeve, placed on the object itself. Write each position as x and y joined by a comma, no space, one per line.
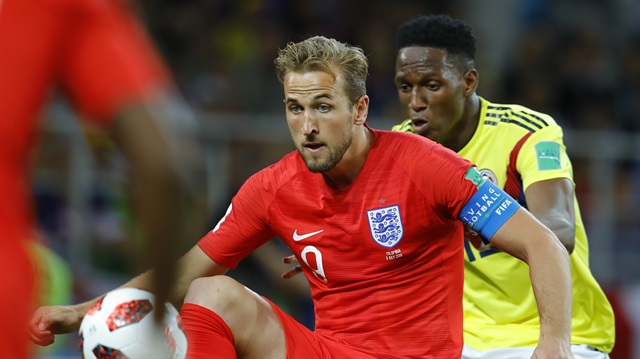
405,126
544,156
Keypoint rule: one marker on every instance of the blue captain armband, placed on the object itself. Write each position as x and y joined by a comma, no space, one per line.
488,209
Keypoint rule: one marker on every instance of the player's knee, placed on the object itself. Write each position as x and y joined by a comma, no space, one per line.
218,293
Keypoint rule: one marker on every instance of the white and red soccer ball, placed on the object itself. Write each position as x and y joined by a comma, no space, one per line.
121,326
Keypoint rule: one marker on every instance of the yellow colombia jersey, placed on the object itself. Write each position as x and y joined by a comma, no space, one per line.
516,147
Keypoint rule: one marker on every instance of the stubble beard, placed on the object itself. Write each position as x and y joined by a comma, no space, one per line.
326,163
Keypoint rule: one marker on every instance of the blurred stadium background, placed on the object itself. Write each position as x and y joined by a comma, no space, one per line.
576,60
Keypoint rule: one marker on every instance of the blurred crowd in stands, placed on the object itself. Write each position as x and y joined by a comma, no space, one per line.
576,59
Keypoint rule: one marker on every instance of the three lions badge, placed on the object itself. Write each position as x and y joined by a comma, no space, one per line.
386,226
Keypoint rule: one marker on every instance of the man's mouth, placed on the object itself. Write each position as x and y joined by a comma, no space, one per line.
313,146
419,125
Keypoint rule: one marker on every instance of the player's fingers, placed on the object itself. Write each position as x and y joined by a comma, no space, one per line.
41,321
46,323
36,318
39,329
42,338
292,272
290,259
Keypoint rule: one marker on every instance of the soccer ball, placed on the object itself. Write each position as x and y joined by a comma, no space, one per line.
121,326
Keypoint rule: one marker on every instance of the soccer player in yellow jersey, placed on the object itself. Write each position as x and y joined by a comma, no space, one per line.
520,150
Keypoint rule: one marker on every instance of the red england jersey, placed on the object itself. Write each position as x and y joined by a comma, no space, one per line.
96,53
384,256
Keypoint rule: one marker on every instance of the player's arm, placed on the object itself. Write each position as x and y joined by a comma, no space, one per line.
114,76
47,322
525,238
163,164
500,220
551,202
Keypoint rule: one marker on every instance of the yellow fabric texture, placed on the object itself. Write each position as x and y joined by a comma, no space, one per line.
499,306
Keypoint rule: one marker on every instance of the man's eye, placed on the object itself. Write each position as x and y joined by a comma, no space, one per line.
433,86
295,109
403,88
324,108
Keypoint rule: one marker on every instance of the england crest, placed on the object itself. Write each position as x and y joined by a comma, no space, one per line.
386,226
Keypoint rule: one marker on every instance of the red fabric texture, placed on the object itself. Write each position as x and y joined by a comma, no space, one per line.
207,334
98,54
17,282
383,256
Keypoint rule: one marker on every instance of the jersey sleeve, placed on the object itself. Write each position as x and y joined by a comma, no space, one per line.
243,228
440,175
544,156
109,60
404,126
453,189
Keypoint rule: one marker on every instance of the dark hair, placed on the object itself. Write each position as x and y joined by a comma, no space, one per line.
439,31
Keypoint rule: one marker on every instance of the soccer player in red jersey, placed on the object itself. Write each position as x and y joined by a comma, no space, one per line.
101,58
378,233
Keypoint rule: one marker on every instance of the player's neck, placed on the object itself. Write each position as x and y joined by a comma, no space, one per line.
467,125
346,171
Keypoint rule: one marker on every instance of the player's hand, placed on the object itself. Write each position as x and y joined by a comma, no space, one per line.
46,322
297,269
476,241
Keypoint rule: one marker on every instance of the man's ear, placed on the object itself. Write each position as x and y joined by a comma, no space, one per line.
470,79
362,110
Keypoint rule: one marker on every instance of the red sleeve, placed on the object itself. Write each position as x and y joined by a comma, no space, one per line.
439,174
244,227
109,59
451,190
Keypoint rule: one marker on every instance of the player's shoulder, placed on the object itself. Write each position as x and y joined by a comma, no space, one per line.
398,143
393,136
405,147
515,116
275,175
404,126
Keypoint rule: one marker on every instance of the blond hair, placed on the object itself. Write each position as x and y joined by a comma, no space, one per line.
319,53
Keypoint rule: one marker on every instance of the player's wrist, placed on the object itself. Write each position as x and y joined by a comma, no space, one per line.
557,339
79,310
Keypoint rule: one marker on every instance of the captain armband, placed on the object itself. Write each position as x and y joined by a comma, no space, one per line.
488,209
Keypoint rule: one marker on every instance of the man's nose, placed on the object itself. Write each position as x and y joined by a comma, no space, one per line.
309,124
418,102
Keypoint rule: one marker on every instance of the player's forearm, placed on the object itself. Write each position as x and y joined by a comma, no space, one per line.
163,164
194,264
550,273
563,227
79,310
145,281
160,216
552,203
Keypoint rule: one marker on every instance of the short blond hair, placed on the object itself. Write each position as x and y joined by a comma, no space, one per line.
319,53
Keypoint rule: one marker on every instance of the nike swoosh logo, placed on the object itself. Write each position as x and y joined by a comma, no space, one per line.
297,237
